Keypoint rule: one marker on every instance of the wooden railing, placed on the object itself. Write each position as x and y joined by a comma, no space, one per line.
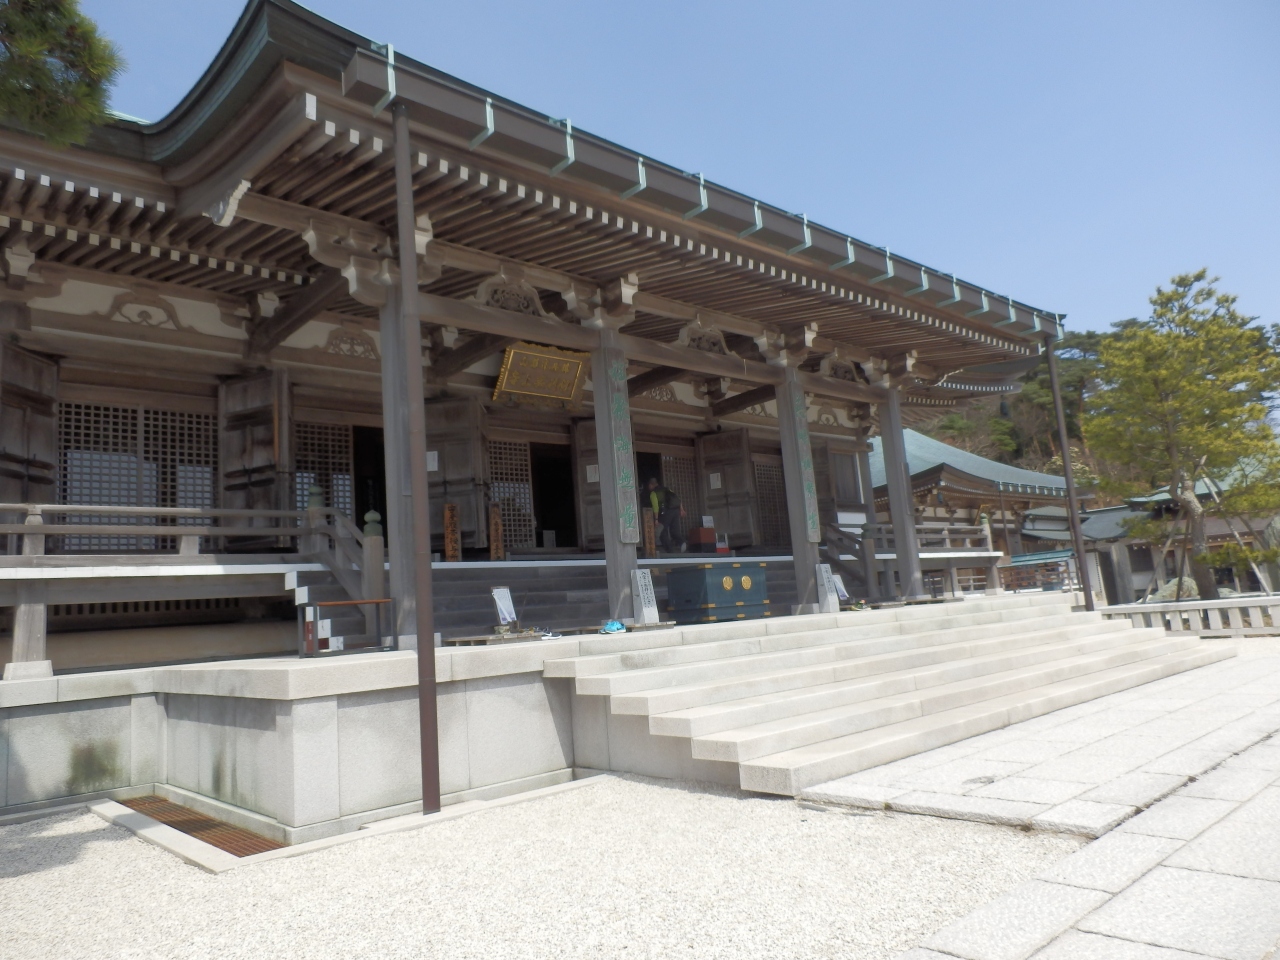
1232,617
83,527
1049,575
934,537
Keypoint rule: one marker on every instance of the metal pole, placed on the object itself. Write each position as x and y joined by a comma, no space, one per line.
1073,502
415,404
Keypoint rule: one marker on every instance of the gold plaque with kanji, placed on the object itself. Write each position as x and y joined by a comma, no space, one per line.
541,375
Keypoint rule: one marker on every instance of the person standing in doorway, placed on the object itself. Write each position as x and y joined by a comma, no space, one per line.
668,514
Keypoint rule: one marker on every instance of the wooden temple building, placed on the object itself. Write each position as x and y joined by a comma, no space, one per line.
211,313
321,361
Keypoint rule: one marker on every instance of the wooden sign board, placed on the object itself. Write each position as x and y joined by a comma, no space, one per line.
497,550
452,535
542,375
648,534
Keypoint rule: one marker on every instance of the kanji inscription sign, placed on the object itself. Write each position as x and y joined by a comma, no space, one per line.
541,375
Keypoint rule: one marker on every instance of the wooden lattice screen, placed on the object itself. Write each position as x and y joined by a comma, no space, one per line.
322,455
511,487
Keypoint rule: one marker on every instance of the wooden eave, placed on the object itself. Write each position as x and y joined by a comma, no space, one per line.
303,142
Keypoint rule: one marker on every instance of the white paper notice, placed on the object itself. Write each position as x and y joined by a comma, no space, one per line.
506,609
840,587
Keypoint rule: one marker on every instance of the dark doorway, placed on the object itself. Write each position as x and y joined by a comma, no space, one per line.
551,467
370,470
648,467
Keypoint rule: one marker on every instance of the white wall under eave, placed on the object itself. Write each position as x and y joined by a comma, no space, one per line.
80,298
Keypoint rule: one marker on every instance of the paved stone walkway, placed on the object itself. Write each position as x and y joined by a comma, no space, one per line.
1088,768
1195,876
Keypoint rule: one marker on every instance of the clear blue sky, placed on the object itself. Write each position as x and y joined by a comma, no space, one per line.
1071,155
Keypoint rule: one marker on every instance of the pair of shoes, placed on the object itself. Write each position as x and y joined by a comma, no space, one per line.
613,626
551,634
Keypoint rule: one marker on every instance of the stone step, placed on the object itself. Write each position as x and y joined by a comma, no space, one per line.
702,708
450,603
704,662
319,592
788,733
668,648
910,616
788,772
305,578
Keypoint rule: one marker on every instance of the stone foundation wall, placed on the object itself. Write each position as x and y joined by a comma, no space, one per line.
294,749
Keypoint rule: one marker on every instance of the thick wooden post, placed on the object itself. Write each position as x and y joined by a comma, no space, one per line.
30,620
395,433
416,525
802,491
866,487
1073,501
902,509
617,459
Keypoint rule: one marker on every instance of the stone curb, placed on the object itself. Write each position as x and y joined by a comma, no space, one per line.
213,860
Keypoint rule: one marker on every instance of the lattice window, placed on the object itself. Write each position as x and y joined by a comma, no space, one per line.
133,457
322,456
511,486
681,475
771,493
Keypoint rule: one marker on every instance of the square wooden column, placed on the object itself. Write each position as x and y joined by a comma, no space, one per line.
902,510
802,491
617,461
396,447
870,567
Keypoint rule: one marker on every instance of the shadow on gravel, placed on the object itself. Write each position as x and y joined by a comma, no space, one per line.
38,845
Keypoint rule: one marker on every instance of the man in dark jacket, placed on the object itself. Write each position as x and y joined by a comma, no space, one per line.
667,514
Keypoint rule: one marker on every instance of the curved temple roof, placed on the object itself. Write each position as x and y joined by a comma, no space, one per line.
925,454
288,121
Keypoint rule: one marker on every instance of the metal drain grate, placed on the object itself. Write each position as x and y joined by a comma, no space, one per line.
235,841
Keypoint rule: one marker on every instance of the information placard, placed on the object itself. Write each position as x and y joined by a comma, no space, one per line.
646,601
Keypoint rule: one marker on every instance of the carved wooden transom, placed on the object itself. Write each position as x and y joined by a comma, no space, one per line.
706,339
352,343
506,294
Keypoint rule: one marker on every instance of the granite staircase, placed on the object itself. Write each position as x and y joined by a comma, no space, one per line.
781,705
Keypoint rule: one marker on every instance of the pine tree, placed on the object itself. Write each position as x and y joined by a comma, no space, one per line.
1188,389
55,69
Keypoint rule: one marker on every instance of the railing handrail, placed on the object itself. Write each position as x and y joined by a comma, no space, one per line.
149,530
1174,606
132,511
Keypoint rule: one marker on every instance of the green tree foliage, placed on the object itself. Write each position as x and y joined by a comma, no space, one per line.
1021,429
55,69
1188,387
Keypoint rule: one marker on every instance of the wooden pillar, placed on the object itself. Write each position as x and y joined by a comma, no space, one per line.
866,487
30,621
395,434
617,460
802,491
902,511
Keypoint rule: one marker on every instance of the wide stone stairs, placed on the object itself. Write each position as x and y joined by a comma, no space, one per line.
802,700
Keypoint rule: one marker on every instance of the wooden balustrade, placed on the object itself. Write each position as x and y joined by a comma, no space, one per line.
934,537
144,526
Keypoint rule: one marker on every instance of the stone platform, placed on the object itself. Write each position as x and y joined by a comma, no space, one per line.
1086,768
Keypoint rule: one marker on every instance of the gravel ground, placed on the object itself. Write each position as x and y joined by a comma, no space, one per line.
622,868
